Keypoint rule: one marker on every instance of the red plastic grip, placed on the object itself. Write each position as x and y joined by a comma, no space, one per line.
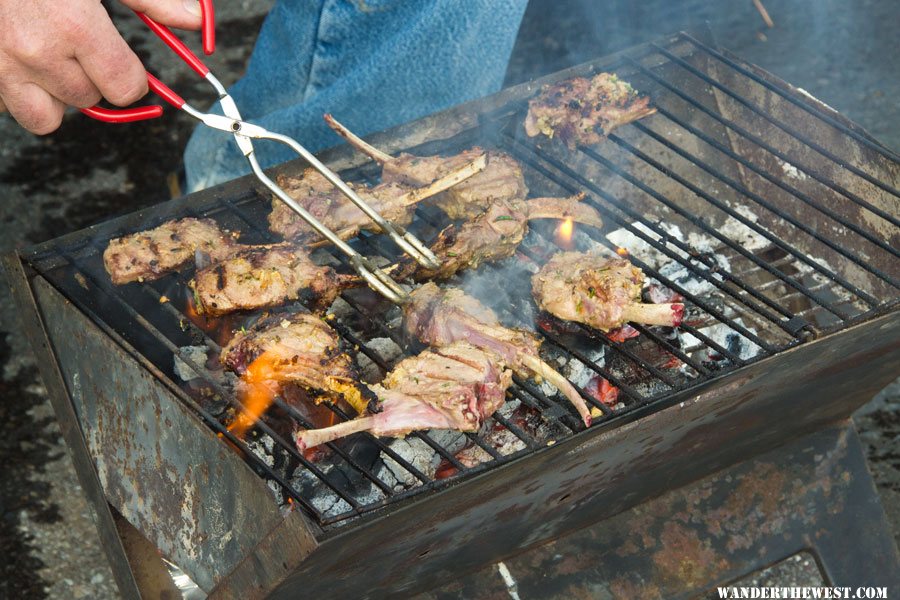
208,32
164,91
177,46
124,115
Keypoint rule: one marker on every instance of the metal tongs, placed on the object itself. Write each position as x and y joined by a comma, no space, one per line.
245,132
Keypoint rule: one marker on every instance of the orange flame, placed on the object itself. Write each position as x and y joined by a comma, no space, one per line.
622,252
220,329
258,393
564,233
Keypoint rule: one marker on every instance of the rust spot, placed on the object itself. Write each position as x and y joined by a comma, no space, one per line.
684,558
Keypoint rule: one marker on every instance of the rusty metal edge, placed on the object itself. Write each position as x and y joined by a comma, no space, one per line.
296,534
33,325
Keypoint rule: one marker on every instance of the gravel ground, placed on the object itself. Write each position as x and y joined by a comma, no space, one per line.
845,55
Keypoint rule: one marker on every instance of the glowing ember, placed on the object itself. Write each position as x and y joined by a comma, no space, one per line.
220,329
564,233
622,252
603,391
625,332
258,392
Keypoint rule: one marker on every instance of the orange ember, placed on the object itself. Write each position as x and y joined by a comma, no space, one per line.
621,251
258,392
564,233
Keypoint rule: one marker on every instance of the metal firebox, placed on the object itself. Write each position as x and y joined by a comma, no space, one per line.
773,216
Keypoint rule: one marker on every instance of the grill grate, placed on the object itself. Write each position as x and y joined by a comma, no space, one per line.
752,290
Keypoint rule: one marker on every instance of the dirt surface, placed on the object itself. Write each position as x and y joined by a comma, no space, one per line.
843,53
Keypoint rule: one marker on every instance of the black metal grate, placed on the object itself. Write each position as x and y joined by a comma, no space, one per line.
746,301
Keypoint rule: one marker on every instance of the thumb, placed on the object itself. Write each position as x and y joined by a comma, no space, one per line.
183,14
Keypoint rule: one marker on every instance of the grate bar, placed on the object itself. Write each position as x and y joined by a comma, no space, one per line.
623,223
701,224
802,197
886,152
770,268
808,171
759,200
149,327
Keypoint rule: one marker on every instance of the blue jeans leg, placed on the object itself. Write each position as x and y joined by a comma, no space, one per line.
373,63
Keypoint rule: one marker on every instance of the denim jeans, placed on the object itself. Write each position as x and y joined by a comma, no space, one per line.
372,63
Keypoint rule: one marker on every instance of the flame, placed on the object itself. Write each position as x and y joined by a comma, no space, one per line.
564,233
622,252
258,392
220,329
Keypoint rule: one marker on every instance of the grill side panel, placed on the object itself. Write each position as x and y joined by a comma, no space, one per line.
577,483
159,466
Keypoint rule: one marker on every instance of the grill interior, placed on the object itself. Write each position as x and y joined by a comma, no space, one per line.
733,195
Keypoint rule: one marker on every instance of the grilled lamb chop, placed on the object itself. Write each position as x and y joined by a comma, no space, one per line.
494,235
501,178
266,276
150,254
301,349
392,200
585,111
439,317
454,387
601,292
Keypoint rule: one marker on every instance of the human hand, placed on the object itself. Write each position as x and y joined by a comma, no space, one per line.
56,53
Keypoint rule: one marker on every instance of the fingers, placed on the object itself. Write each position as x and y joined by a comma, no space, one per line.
183,14
34,108
110,63
70,84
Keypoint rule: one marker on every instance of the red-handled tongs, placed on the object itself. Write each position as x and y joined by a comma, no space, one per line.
242,131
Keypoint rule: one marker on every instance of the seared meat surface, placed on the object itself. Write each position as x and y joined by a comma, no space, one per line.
454,387
604,293
300,349
584,111
501,178
150,254
392,200
266,276
440,317
494,234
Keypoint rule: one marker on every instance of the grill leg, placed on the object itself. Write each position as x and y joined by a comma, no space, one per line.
814,494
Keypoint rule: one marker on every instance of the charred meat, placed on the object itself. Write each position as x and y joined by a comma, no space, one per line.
392,200
495,234
501,178
300,349
263,277
454,387
440,317
150,254
585,111
604,293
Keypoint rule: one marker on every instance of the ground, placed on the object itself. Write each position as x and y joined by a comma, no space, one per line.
844,53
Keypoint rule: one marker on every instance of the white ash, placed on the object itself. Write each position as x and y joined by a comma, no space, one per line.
791,171
195,354
724,336
692,282
733,229
579,373
503,441
414,451
317,493
386,349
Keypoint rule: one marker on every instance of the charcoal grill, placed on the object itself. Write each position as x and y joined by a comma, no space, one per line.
771,214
